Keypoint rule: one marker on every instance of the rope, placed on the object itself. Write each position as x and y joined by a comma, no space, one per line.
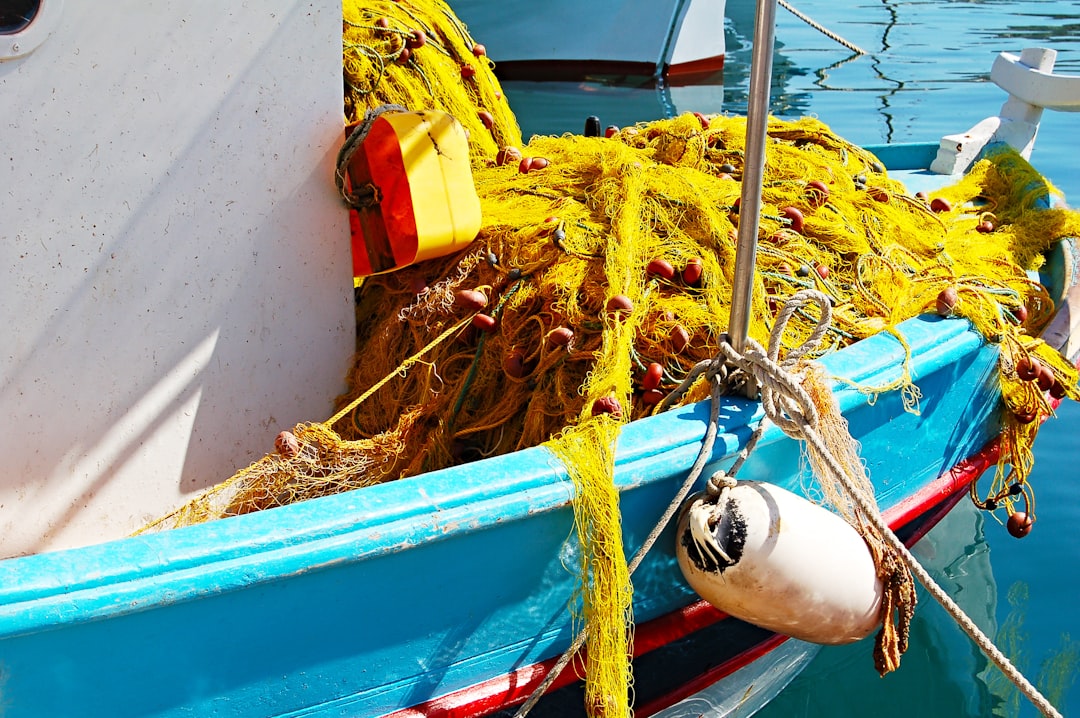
822,29
367,195
719,389
722,381
981,640
789,406
397,371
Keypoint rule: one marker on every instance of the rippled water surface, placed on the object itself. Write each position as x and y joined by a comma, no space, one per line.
925,75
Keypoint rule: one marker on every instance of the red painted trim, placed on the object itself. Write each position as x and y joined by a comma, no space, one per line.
934,517
707,70
514,688
949,487
487,697
576,70
675,625
950,483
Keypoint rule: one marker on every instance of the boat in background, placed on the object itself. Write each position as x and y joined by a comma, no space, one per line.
678,41
552,95
179,288
636,60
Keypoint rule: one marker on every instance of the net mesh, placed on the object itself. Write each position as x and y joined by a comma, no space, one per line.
603,274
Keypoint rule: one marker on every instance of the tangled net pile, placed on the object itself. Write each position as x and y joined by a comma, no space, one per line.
420,56
602,274
599,280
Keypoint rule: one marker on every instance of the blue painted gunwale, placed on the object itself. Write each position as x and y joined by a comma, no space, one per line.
379,599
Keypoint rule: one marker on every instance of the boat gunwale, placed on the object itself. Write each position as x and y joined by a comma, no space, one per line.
137,573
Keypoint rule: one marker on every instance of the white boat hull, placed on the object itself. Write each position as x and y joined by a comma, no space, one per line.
560,40
177,285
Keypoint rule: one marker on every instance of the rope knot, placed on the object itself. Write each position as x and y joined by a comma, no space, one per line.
718,482
785,402
367,195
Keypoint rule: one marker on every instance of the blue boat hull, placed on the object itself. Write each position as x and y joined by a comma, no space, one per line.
399,595
380,599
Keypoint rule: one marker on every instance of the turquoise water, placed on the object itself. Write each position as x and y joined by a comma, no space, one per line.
925,76
926,73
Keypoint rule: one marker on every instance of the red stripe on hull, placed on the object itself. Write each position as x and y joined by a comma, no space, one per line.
930,504
707,70
515,687
710,677
643,73
952,482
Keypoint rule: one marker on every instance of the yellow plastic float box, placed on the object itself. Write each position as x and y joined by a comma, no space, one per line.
424,203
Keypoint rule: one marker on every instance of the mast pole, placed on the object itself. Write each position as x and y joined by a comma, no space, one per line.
757,123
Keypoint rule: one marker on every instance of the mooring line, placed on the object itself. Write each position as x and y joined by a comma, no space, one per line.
821,28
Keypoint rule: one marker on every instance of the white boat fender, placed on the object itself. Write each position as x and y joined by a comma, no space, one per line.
774,559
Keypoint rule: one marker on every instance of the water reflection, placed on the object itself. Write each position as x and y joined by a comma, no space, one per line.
552,108
943,671
1052,676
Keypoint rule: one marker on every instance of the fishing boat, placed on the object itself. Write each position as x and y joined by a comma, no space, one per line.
180,288
678,41
632,57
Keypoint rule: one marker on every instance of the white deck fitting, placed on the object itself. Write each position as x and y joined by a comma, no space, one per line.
1032,87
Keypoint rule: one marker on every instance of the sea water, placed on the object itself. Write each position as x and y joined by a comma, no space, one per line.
925,75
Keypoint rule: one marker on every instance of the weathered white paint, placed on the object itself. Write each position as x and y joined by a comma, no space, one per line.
177,283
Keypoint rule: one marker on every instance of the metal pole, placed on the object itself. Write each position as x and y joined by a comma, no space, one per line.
757,123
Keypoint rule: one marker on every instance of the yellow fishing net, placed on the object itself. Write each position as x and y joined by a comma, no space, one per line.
602,274
420,56
588,450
